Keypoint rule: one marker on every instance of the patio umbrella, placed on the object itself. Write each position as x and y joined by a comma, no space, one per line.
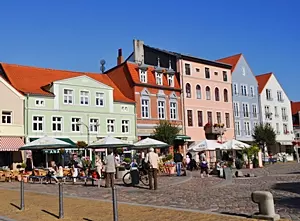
109,142
149,142
46,143
205,145
235,145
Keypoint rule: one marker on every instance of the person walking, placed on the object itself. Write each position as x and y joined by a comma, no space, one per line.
152,160
178,160
110,169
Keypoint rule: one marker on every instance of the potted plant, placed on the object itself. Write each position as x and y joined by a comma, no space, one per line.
251,153
239,163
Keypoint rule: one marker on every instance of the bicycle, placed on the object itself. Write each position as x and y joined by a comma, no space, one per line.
143,177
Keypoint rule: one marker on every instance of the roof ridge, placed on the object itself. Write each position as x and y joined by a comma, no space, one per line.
270,73
239,54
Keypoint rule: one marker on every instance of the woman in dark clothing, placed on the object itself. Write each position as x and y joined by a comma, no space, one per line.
28,167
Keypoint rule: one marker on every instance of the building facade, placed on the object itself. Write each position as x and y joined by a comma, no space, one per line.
296,119
275,109
155,89
245,97
72,106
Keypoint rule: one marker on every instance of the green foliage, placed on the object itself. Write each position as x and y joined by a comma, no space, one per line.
120,151
166,132
251,152
81,144
127,160
255,163
169,157
23,165
239,163
264,134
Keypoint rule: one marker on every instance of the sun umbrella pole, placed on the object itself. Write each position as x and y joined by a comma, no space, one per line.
46,159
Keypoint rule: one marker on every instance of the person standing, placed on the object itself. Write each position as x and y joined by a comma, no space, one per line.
99,166
110,169
152,160
178,160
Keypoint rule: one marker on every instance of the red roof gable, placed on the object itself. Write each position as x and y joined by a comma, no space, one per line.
295,107
262,80
31,80
232,60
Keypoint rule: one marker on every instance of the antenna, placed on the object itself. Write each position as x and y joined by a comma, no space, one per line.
102,67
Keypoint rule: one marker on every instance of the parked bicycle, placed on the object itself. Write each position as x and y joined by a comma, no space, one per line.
143,177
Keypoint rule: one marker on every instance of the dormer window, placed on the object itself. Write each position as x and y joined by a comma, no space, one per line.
170,72
143,76
158,73
171,80
159,79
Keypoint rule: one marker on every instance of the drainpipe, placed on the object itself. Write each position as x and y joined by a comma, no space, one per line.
182,97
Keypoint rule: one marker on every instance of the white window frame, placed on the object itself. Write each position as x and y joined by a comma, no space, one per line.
99,96
173,110
159,78
143,76
190,69
38,122
237,130
235,89
75,124
94,125
124,108
236,109
145,107
57,123
39,102
84,97
161,109
125,123
67,96
198,92
206,93
5,114
110,125
256,114
285,128
269,95
171,80
244,90
247,127
247,107
276,111
279,96
277,128
252,92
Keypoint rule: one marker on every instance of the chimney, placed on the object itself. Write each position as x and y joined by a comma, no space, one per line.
138,49
120,58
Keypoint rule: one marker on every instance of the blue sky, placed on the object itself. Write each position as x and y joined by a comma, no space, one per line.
76,35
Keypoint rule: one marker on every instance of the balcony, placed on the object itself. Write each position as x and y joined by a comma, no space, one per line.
285,118
268,116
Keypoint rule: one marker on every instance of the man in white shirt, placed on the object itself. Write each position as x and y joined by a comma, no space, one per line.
152,159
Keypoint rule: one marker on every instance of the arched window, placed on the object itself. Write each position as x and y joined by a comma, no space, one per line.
207,91
225,95
188,90
217,94
198,92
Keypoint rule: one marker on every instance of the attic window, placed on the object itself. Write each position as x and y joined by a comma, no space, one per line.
143,76
40,102
159,80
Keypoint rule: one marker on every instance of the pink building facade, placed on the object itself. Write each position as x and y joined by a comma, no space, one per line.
207,97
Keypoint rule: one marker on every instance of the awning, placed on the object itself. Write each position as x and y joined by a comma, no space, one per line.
11,143
286,143
182,137
63,139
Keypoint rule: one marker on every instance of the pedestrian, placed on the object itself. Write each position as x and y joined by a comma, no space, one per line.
110,169
99,166
152,160
188,162
204,168
178,160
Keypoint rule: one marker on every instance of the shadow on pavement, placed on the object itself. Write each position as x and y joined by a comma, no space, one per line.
288,201
288,187
14,205
86,219
52,214
236,214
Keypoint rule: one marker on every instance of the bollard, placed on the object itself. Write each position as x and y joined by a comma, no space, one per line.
61,203
265,202
115,206
22,206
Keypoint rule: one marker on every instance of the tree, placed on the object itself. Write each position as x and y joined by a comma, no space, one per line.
166,132
264,134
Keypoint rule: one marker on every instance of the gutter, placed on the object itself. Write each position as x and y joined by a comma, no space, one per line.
182,97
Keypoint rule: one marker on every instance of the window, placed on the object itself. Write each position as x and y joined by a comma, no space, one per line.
171,80
38,123
225,76
207,91
246,110
244,90
247,128
216,73
110,126
285,129
143,76
217,94
161,109
268,94
219,117
93,125
236,109
254,110
6,117
284,115
40,102
252,94
279,96
237,128
187,69
159,80
197,70
84,97
225,95
276,112
56,124
255,124
124,108
200,118
198,92
207,74
68,96
235,89
277,128
188,90
268,113
190,118
100,99
145,108
209,117
125,126
173,110
227,120
75,126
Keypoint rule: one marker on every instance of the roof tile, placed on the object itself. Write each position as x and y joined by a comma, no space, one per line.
232,60
262,80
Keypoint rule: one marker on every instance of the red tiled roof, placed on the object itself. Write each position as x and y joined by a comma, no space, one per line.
232,60
262,80
31,80
295,107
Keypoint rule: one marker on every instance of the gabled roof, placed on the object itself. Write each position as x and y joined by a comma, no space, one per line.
232,60
262,80
295,107
31,80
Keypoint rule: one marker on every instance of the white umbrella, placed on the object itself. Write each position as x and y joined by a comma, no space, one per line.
149,142
46,143
235,145
205,145
109,142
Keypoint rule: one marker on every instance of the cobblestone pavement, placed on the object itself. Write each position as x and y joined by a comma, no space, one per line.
207,194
